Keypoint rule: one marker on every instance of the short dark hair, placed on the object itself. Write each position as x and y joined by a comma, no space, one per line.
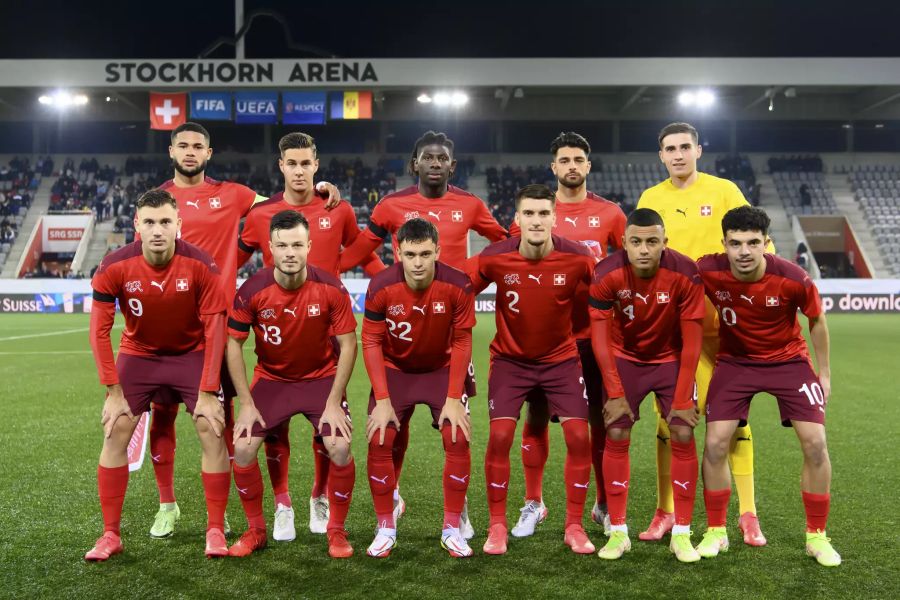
678,128
569,139
746,218
287,219
156,198
191,126
296,141
644,217
417,230
535,191
428,138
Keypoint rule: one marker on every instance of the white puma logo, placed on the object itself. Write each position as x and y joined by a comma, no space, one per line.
572,221
322,452
501,486
292,311
436,215
274,458
195,204
155,458
582,485
459,479
382,481
421,309
159,285
242,491
682,485
526,447
621,484
340,495
750,299
536,277
644,298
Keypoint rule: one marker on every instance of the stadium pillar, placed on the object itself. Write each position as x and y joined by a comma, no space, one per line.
238,23
616,136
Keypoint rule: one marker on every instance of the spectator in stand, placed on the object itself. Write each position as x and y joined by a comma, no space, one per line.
802,257
805,196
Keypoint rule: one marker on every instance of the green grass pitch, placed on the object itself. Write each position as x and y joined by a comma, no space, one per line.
49,513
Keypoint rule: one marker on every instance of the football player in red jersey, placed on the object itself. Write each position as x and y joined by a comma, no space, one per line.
599,224
330,230
417,346
537,276
171,296
647,306
294,309
211,212
452,210
757,296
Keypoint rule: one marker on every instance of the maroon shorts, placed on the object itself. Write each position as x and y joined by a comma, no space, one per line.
227,392
593,380
147,379
640,379
430,388
278,401
562,383
793,383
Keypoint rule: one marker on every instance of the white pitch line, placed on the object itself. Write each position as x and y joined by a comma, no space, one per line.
49,333
46,352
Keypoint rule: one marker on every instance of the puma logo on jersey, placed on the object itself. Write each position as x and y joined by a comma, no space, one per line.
621,484
499,486
291,311
536,277
158,284
682,485
436,215
382,481
459,479
421,309
683,212
195,204
644,298
748,299
574,221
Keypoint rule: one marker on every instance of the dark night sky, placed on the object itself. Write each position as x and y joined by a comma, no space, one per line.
183,29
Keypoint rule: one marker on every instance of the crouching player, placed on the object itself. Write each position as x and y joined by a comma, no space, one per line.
292,308
417,342
170,294
757,296
647,308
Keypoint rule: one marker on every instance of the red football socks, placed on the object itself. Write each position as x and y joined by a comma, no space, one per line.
215,488
457,471
249,484
401,443
617,473
321,464
817,506
162,449
340,492
111,485
577,469
380,471
535,449
598,444
716,506
278,459
684,479
496,467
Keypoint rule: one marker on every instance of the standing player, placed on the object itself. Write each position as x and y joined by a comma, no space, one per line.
171,296
692,204
647,308
417,344
211,212
598,224
293,310
453,211
757,296
537,277
330,231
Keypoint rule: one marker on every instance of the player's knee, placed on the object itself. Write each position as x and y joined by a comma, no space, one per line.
716,449
682,434
244,454
501,436
460,447
815,450
339,453
619,433
578,442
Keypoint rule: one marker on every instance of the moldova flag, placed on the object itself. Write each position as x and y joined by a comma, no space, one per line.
351,105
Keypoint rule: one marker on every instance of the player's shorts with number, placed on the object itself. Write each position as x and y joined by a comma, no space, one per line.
278,401
793,383
429,388
510,381
143,377
639,379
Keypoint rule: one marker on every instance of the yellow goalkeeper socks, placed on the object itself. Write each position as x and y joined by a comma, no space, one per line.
740,458
665,501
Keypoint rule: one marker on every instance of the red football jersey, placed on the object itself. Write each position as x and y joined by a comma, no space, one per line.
211,214
598,224
454,214
329,231
420,322
162,305
535,298
648,312
758,320
293,328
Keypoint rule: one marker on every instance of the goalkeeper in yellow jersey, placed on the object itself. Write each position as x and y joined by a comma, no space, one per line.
692,205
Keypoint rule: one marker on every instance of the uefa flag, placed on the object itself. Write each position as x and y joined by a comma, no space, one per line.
351,105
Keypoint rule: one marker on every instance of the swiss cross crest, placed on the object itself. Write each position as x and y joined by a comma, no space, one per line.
396,310
559,279
413,214
215,203
456,216
266,314
511,279
773,301
662,297
313,310
133,286
624,294
324,222
438,307
593,221
181,285
705,210
723,295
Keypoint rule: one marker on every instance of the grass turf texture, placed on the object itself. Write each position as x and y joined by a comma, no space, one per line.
51,438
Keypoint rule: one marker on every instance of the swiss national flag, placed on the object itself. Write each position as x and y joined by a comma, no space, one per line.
167,111
438,307
662,297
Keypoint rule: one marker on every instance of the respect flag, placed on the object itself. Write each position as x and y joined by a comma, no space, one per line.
351,105
303,108
167,111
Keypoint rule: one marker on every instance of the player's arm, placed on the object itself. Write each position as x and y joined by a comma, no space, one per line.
821,342
240,322
333,413
360,251
691,343
247,242
472,268
374,332
103,314
211,307
486,225
370,264
617,231
330,192
602,315
454,410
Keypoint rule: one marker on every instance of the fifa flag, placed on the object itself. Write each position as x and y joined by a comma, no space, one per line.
303,108
167,111
211,106
351,105
256,107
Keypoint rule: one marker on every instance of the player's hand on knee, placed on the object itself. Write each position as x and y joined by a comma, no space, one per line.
382,415
825,382
691,416
615,409
331,192
208,406
248,416
114,407
454,412
334,416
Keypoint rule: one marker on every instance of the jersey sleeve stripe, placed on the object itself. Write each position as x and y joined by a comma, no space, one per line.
238,325
101,297
600,304
374,316
378,230
245,247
